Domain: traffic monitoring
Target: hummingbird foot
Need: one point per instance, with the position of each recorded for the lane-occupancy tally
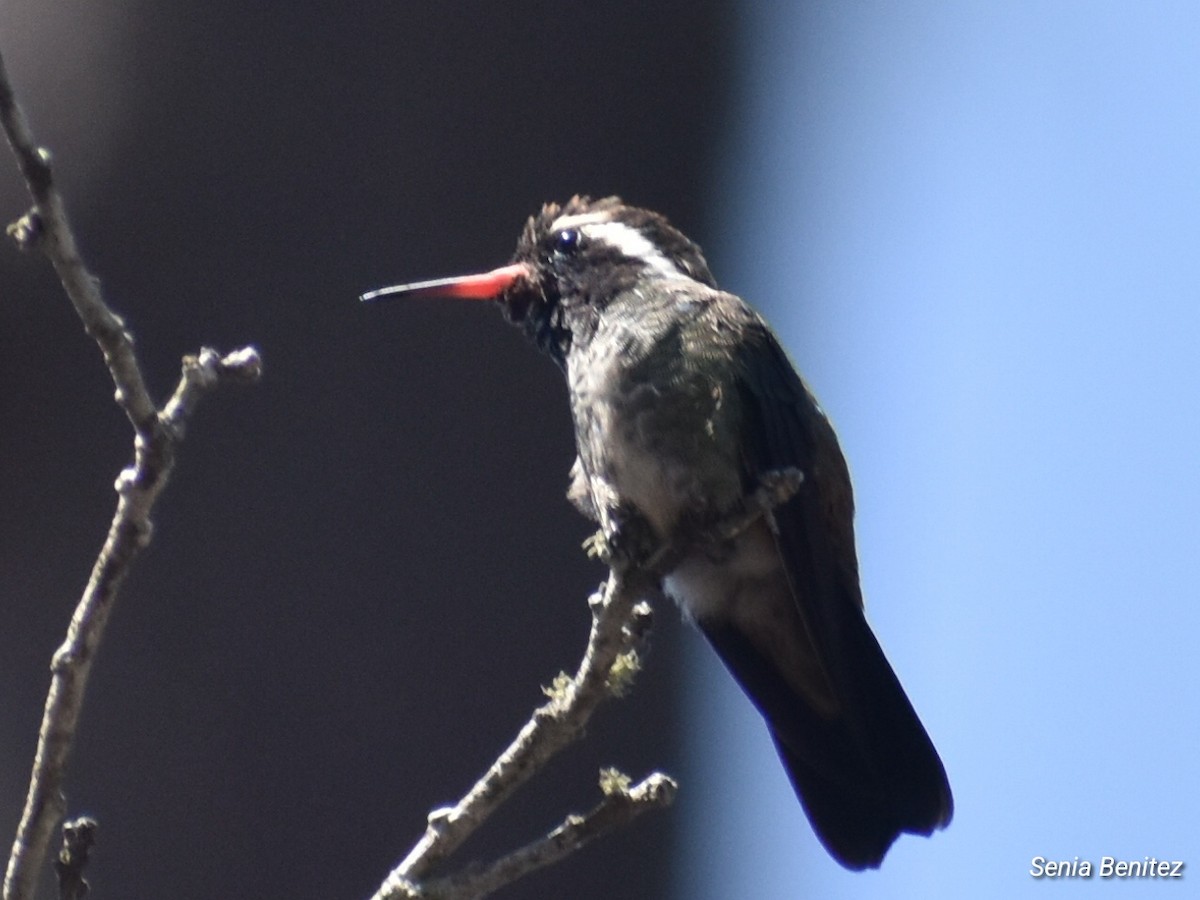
(596, 547)
(775, 488)
(714, 536)
(627, 541)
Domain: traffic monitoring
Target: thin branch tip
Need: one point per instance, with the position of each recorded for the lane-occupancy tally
(658, 789)
(619, 806)
(245, 363)
(202, 372)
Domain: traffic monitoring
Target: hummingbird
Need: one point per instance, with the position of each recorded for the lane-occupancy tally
(683, 399)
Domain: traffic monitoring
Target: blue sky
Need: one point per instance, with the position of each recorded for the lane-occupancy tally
(977, 229)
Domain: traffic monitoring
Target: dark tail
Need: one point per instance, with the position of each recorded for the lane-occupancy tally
(864, 775)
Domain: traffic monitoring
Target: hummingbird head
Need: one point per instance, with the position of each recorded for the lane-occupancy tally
(570, 262)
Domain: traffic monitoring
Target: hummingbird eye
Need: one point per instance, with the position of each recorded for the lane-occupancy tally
(567, 240)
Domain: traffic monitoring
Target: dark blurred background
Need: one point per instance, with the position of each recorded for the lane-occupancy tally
(974, 226)
(365, 567)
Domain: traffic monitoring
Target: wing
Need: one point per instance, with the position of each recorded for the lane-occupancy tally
(863, 767)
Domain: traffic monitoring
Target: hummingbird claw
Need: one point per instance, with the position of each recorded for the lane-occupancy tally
(596, 547)
(631, 541)
(628, 541)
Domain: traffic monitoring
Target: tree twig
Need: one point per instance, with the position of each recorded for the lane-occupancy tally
(47, 224)
(618, 627)
(156, 435)
(552, 727)
(618, 808)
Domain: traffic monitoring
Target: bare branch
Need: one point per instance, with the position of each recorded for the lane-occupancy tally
(619, 625)
(138, 486)
(48, 225)
(553, 727)
(619, 807)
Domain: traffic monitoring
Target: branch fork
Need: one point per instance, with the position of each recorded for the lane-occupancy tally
(620, 624)
(157, 434)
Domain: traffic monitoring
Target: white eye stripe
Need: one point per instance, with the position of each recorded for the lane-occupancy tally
(625, 239)
(632, 243)
(578, 221)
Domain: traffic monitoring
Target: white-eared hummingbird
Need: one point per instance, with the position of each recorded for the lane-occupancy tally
(682, 399)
